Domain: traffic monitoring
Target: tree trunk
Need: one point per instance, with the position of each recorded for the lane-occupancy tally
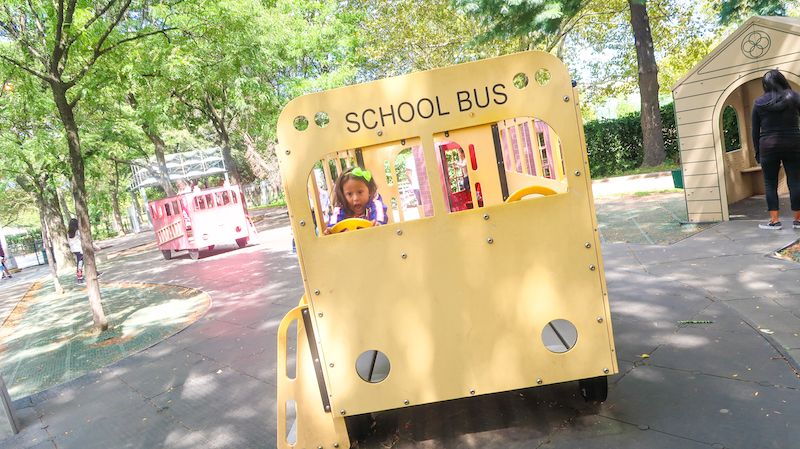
(57, 232)
(259, 165)
(115, 200)
(64, 206)
(65, 111)
(136, 206)
(46, 244)
(652, 137)
(50, 213)
(225, 141)
(163, 175)
(158, 144)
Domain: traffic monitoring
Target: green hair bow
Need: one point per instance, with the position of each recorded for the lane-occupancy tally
(362, 173)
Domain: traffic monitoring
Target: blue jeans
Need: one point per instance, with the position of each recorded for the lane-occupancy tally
(770, 165)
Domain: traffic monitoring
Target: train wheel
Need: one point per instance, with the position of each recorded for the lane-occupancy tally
(242, 242)
(194, 254)
(167, 253)
(594, 389)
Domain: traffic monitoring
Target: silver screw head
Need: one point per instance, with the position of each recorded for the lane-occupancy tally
(319, 314)
(566, 97)
(577, 172)
(380, 133)
(471, 391)
(485, 216)
(399, 232)
(490, 240)
(605, 370)
(330, 364)
(335, 444)
(316, 292)
(588, 245)
(288, 151)
(405, 402)
(599, 319)
(591, 267)
(342, 411)
(302, 223)
(327, 408)
(319, 447)
(403, 255)
(539, 381)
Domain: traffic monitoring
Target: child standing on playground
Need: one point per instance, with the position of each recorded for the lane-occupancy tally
(355, 195)
(74, 240)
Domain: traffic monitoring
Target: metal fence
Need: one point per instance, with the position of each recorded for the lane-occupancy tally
(262, 193)
(27, 254)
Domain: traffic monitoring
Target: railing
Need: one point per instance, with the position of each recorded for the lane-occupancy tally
(27, 254)
(262, 193)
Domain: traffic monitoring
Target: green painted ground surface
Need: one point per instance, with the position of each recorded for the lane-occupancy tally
(47, 339)
(652, 219)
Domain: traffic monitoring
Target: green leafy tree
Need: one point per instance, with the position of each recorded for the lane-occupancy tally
(732, 11)
(555, 21)
(62, 43)
(34, 158)
(237, 62)
(397, 38)
(543, 24)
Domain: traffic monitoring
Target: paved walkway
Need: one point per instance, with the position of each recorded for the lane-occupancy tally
(728, 380)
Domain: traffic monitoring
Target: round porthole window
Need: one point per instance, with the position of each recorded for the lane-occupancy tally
(373, 366)
(520, 80)
(559, 336)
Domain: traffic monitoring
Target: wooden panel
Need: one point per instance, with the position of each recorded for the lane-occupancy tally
(699, 168)
(697, 128)
(692, 115)
(702, 194)
(702, 216)
(696, 181)
(698, 155)
(703, 85)
(704, 207)
(700, 141)
(700, 100)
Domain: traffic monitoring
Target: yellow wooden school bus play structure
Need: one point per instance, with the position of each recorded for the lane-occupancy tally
(487, 278)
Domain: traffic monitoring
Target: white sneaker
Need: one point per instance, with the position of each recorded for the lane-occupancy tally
(768, 225)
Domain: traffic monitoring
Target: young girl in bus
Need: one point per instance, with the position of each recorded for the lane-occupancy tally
(355, 195)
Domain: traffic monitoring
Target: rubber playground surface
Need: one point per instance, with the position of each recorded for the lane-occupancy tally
(47, 339)
(651, 219)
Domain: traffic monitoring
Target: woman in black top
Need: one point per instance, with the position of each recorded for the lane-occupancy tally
(776, 139)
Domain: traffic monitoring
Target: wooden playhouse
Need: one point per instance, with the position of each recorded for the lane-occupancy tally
(730, 77)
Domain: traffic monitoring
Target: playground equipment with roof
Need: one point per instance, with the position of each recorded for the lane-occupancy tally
(729, 79)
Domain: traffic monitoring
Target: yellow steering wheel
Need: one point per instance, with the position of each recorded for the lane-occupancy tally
(350, 224)
(530, 190)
